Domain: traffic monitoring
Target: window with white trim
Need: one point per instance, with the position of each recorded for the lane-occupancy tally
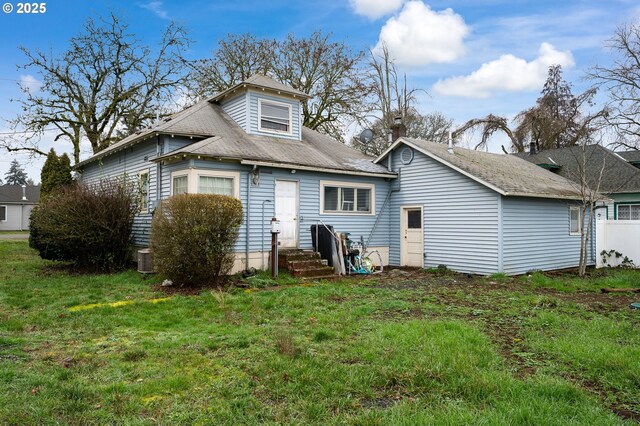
(628, 212)
(274, 117)
(200, 181)
(346, 198)
(143, 191)
(215, 185)
(179, 184)
(3, 213)
(574, 221)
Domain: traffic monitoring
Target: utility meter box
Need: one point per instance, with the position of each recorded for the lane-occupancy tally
(275, 226)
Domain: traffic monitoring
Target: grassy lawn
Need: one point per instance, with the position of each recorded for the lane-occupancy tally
(418, 349)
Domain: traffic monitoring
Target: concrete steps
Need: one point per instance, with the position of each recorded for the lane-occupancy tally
(304, 264)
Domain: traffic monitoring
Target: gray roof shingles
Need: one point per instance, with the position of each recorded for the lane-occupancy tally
(314, 150)
(618, 176)
(12, 194)
(510, 175)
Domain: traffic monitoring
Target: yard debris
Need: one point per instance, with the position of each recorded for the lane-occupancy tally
(395, 273)
(167, 283)
(620, 290)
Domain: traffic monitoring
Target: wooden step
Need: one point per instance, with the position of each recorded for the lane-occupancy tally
(313, 272)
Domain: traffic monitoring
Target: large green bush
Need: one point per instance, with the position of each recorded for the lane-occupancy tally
(193, 237)
(89, 226)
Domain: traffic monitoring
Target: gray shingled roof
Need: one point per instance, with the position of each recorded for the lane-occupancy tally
(618, 176)
(315, 150)
(631, 156)
(506, 174)
(12, 194)
(262, 82)
(193, 121)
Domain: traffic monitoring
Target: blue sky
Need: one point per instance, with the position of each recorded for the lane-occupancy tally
(472, 57)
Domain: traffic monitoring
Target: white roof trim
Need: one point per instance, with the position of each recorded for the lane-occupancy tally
(316, 169)
(446, 163)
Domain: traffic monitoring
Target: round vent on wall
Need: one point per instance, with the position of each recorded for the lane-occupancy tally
(406, 155)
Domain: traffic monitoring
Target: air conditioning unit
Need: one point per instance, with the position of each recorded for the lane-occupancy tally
(145, 265)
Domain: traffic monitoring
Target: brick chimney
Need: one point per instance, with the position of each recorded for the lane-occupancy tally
(398, 129)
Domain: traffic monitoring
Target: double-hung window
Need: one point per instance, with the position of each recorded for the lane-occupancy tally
(198, 181)
(179, 184)
(628, 212)
(143, 191)
(339, 197)
(215, 185)
(274, 117)
(575, 224)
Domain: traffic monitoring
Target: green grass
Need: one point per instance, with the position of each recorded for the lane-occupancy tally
(88, 349)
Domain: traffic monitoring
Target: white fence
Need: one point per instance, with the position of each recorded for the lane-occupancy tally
(622, 236)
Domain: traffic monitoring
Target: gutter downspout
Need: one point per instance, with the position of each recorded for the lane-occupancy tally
(246, 244)
(390, 156)
(262, 235)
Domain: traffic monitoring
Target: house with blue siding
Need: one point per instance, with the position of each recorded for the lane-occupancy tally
(419, 204)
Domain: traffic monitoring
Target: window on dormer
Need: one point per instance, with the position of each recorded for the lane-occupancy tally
(274, 117)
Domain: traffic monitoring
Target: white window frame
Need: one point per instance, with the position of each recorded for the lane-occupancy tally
(625, 205)
(283, 104)
(372, 201)
(6, 213)
(571, 209)
(148, 195)
(193, 179)
(181, 173)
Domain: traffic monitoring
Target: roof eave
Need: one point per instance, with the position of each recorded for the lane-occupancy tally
(296, 94)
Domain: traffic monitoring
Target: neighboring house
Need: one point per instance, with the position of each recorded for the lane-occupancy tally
(418, 204)
(632, 157)
(16, 203)
(617, 178)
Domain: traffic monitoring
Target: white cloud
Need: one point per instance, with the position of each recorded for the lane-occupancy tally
(506, 74)
(418, 35)
(374, 9)
(30, 83)
(157, 8)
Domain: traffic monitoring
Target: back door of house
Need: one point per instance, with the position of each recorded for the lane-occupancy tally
(287, 212)
(411, 238)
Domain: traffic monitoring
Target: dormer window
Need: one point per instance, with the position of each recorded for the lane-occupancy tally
(274, 117)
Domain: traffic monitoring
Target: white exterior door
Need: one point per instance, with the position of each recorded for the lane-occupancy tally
(411, 236)
(287, 212)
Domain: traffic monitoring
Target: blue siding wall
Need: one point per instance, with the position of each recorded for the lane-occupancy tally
(237, 110)
(536, 235)
(460, 216)
(128, 163)
(308, 199)
(253, 115)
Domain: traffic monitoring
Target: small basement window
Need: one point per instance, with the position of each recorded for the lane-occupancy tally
(143, 191)
(346, 198)
(628, 212)
(274, 117)
(574, 221)
(3, 213)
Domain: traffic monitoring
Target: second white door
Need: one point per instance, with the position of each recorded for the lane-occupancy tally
(286, 197)
(411, 237)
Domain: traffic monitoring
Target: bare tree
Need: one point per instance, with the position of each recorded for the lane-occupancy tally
(236, 58)
(433, 127)
(622, 81)
(104, 86)
(327, 71)
(391, 98)
(555, 121)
